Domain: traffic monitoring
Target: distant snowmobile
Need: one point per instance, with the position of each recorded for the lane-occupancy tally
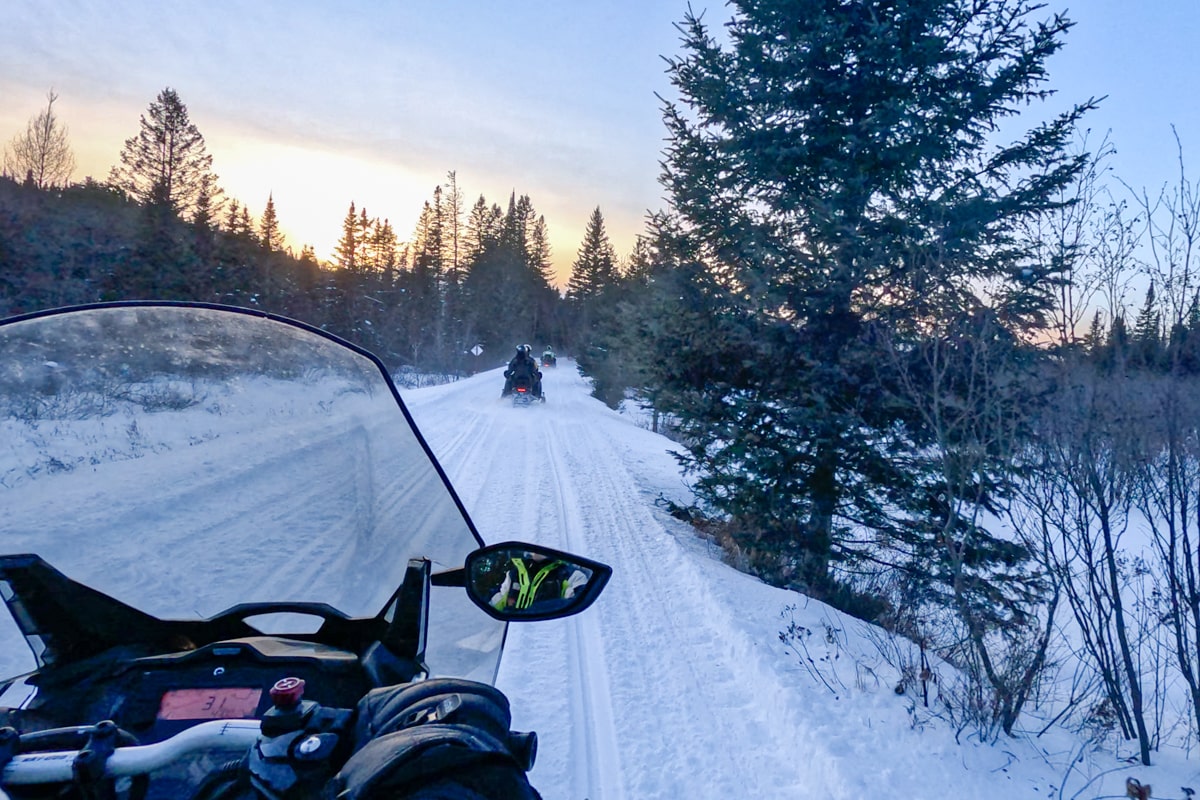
(524, 393)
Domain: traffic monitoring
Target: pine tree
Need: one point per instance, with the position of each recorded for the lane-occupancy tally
(245, 224)
(589, 295)
(268, 227)
(482, 229)
(203, 222)
(539, 251)
(208, 203)
(1147, 331)
(639, 269)
(422, 285)
(835, 166)
(166, 163)
(508, 298)
(362, 239)
(595, 267)
(1094, 340)
(382, 246)
(346, 253)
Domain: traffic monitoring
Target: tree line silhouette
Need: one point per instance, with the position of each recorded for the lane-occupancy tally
(160, 227)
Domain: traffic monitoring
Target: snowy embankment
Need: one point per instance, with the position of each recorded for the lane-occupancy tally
(676, 683)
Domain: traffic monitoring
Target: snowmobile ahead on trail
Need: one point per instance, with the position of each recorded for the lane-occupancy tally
(548, 357)
(316, 615)
(523, 379)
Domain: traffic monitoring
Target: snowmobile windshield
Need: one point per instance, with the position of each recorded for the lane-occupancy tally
(185, 459)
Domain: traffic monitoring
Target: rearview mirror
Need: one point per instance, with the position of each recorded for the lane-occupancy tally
(518, 582)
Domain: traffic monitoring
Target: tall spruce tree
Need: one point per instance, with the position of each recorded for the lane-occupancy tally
(346, 254)
(1147, 329)
(591, 304)
(166, 163)
(268, 227)
(505, 290)
(595, 267)
(833, 166)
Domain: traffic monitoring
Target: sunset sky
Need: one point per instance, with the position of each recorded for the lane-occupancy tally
(374, 102)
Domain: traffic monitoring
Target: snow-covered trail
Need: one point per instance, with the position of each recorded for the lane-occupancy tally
(641, 695)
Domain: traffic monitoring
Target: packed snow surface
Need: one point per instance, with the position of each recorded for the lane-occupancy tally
(676, 683)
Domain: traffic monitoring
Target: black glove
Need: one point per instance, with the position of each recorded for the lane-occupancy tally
(443, 737)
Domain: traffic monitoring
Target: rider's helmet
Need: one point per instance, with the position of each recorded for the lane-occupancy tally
(526, 349)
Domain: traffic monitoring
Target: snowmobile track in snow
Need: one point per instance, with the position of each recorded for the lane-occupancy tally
(594, 731)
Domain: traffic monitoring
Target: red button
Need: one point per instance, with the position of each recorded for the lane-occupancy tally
(287, 692)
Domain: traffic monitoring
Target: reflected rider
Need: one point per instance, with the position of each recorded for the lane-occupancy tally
(536, 579)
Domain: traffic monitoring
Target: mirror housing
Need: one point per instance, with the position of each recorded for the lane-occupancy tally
(520, 582)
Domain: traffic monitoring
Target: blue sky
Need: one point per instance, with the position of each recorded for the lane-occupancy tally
(322, 104)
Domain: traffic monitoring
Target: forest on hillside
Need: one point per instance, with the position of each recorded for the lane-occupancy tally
(160, 227)
(947, 383)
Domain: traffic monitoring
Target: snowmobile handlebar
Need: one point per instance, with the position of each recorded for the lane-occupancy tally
(60, 766)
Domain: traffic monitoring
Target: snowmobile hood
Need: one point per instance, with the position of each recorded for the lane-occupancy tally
(187, 458)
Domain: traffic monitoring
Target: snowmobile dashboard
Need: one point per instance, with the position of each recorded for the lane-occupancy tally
(99, 658)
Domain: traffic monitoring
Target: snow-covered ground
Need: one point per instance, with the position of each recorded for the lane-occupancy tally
(676, 683)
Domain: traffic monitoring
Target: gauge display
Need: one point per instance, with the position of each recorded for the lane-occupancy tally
(221, 703)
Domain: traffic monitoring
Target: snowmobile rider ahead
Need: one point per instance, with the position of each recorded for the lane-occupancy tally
(523, 365)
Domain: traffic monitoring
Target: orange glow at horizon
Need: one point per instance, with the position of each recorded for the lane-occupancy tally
(312, 189)
(312, 185)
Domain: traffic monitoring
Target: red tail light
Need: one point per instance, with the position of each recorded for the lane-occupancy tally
(522, 389)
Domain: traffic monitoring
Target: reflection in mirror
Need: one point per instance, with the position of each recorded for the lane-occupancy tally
(516, 581)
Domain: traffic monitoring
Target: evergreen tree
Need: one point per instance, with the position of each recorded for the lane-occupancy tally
(639, 269)
(834, 166)
(1147, 332)
(505, 292)
(454, 299)
(382, 248)
(166, 163)
(203, 221)
(482, 229)
(208, 203)
(1094, 340)
(268, 227)
(362, 239)
(245, 224)
(539, 251)
(625, 318)
(591, 300)
(423, 316)
(595, 267)
(452, 227)
(232, 217)
(346, 253)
